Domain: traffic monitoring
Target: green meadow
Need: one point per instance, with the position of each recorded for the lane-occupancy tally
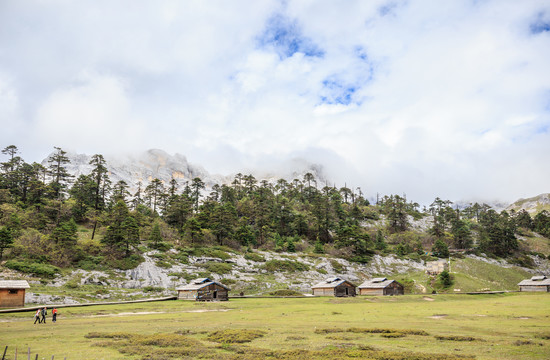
(501, 326)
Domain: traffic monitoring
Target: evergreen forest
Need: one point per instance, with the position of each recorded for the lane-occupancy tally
(50, 219)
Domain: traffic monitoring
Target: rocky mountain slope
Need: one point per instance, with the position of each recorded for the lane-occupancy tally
(253, 275)
(533, 205)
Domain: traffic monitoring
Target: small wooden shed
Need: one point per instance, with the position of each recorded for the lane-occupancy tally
(381, 286)
(12, 293)
(436, 267)
(536, 283)
(203, 289)
(334, 287)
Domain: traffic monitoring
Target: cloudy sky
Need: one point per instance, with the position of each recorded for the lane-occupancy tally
(448, 99)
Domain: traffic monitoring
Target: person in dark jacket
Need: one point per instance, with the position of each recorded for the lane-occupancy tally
(44, 313)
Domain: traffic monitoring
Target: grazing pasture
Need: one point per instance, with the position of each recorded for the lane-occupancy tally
(502, 326)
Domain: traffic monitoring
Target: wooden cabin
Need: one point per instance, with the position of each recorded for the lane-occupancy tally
(203, 289)
(536, 283)
(334, 287)
(381, 286)
(436, 267)
(12, 293)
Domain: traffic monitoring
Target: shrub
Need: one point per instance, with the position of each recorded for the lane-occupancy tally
(393, 335)
(284, 265)
(228, 281)
(208, 252)
(152, 289)
(339, 268)
(455, 338)
(524, 261)
(254, 257)
(285, 292)
(235, 335)
(218, 268)
(32, 268)
(126, 263)
(445, 279)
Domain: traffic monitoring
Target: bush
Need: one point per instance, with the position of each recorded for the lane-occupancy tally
(228, 281)
(445, 279)
(161, 246)
(285, 292)
(126, 263)
(455, 338)
(254, 257)
(32, 268)
(230, 336)
(207, 252)
(339, 268)
(284, 265)
(152, 289)
(524, 261)
(218, 268)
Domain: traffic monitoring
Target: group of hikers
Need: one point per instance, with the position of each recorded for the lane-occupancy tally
(41, 313)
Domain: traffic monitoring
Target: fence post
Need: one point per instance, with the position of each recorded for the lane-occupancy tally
(29, 354)
(16, 353)
(36, 357)
(6, 349)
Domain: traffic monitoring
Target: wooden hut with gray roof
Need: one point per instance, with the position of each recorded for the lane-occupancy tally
(203, 289)
(381, 286)
(536, 283)
(334, 286)
(12, 293)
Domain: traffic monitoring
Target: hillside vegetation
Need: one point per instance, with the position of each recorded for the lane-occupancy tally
(52, 224)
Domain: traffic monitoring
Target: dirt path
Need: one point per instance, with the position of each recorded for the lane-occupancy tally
(122, 314)
(153, 312)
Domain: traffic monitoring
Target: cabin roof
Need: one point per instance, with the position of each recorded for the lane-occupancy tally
(331, 283)
(540, 280)
(200, 283)
(377, 283)
(14, 284)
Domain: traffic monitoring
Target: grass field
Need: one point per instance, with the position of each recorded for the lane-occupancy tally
(504, 326)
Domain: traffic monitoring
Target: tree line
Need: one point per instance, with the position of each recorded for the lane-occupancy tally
(48, 215)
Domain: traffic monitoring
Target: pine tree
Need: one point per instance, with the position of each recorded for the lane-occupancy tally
(6, 239)
(445, 279)
(58, 172)
(155, 237)
(440, 249)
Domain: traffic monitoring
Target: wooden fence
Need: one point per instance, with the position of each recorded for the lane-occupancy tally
(29, 357)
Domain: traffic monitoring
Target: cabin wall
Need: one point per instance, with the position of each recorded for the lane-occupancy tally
(323, 291)
(375, 292)
(187, 294)
(212, 292)
(344, 289)
(539, 288)
(394, 289)
(12, 300)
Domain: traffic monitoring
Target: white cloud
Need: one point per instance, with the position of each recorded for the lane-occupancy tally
(448, 99)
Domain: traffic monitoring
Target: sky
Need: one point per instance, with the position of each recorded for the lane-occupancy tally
(448, 99)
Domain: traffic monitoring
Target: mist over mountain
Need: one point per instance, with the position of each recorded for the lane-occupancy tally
(154, 163)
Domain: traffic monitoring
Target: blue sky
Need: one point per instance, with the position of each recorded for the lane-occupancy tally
(429, 99)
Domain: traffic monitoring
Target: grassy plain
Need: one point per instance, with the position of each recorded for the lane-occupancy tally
(503, 326)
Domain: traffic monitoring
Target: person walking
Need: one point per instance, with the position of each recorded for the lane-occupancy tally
(44, 313)
(37, 316)
(54, 315)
